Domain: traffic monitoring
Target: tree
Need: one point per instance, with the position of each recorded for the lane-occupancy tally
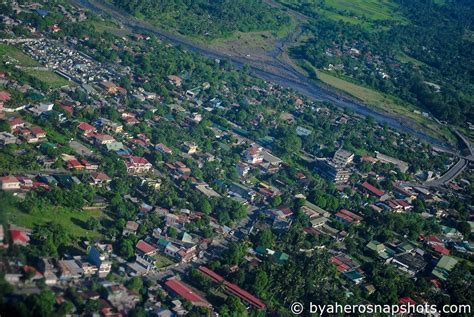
(275, 201)
(92, 224)
(172, 232)
(135, 283)
(126, 248)
(265, 238)
(41, 304)
(236, 307)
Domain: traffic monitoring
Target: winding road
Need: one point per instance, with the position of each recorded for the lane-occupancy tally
(274, 70)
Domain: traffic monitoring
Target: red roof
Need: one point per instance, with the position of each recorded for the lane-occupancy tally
(407, 300)
(139, 160)
(16, 121)
(431, 239)
(183, 291)
(37, 130)
(213, 275)
(145, 247)
(236, 290)
(8, 179)
(68, 109)
(84, 126)
(440, 249)
(344, 213)
(19, 236)
(377, 192)
(4, 96)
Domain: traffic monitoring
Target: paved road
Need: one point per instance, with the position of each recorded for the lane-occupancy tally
(451, 174)
(274, 70)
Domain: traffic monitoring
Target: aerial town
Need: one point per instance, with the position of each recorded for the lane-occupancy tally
(140, 178)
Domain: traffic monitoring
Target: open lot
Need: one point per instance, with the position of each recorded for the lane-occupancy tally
(72, 221)
(51, 79)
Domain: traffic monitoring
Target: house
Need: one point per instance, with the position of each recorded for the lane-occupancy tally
(4, 96)
(347, 217)
(318, 221)
(102, 139)
(122, 298)
(9, 183)
(7, 138)
(114, 146)
(344, 263)
(99, 256)
(242, 169)
(144, 248)
(19, 237)
(175, 80)
(445, 265)
(109, 87)
(410, 262)
(131, 227)
(16, 123)
(38, 132)
(137, 165)
(354, 276)
(254, 155)
(163, 149)
(75, 165)
(190, 147)
(381, 250)
(86, 128)
(99, 178)
(373, 191)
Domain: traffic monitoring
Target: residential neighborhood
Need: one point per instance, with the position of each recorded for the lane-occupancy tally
(157, 182)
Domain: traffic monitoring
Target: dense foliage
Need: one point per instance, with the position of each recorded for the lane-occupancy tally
(213, 19)
(425, 57)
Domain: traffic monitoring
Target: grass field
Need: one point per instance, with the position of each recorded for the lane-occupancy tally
(408, 59)
(51, 79)
(71, 221)
(162, 261)
(11, 54)
(360, 12)
(385, 103)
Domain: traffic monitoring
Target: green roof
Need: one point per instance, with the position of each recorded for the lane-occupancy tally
(281, 256)
(447, 263)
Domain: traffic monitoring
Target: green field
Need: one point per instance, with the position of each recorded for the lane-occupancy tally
(162, 261)
(70, 220)
(13, 55)
(52, 80)
(384, 103)
(365, 13)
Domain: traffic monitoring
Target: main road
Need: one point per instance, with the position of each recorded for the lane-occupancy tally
(273, 70)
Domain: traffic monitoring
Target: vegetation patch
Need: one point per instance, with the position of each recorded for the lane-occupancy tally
(204, 19)
(73, 222)
(50, 79)
(12, 55)
(383, 102)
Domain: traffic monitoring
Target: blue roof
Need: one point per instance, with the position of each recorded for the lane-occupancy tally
(42, 12)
